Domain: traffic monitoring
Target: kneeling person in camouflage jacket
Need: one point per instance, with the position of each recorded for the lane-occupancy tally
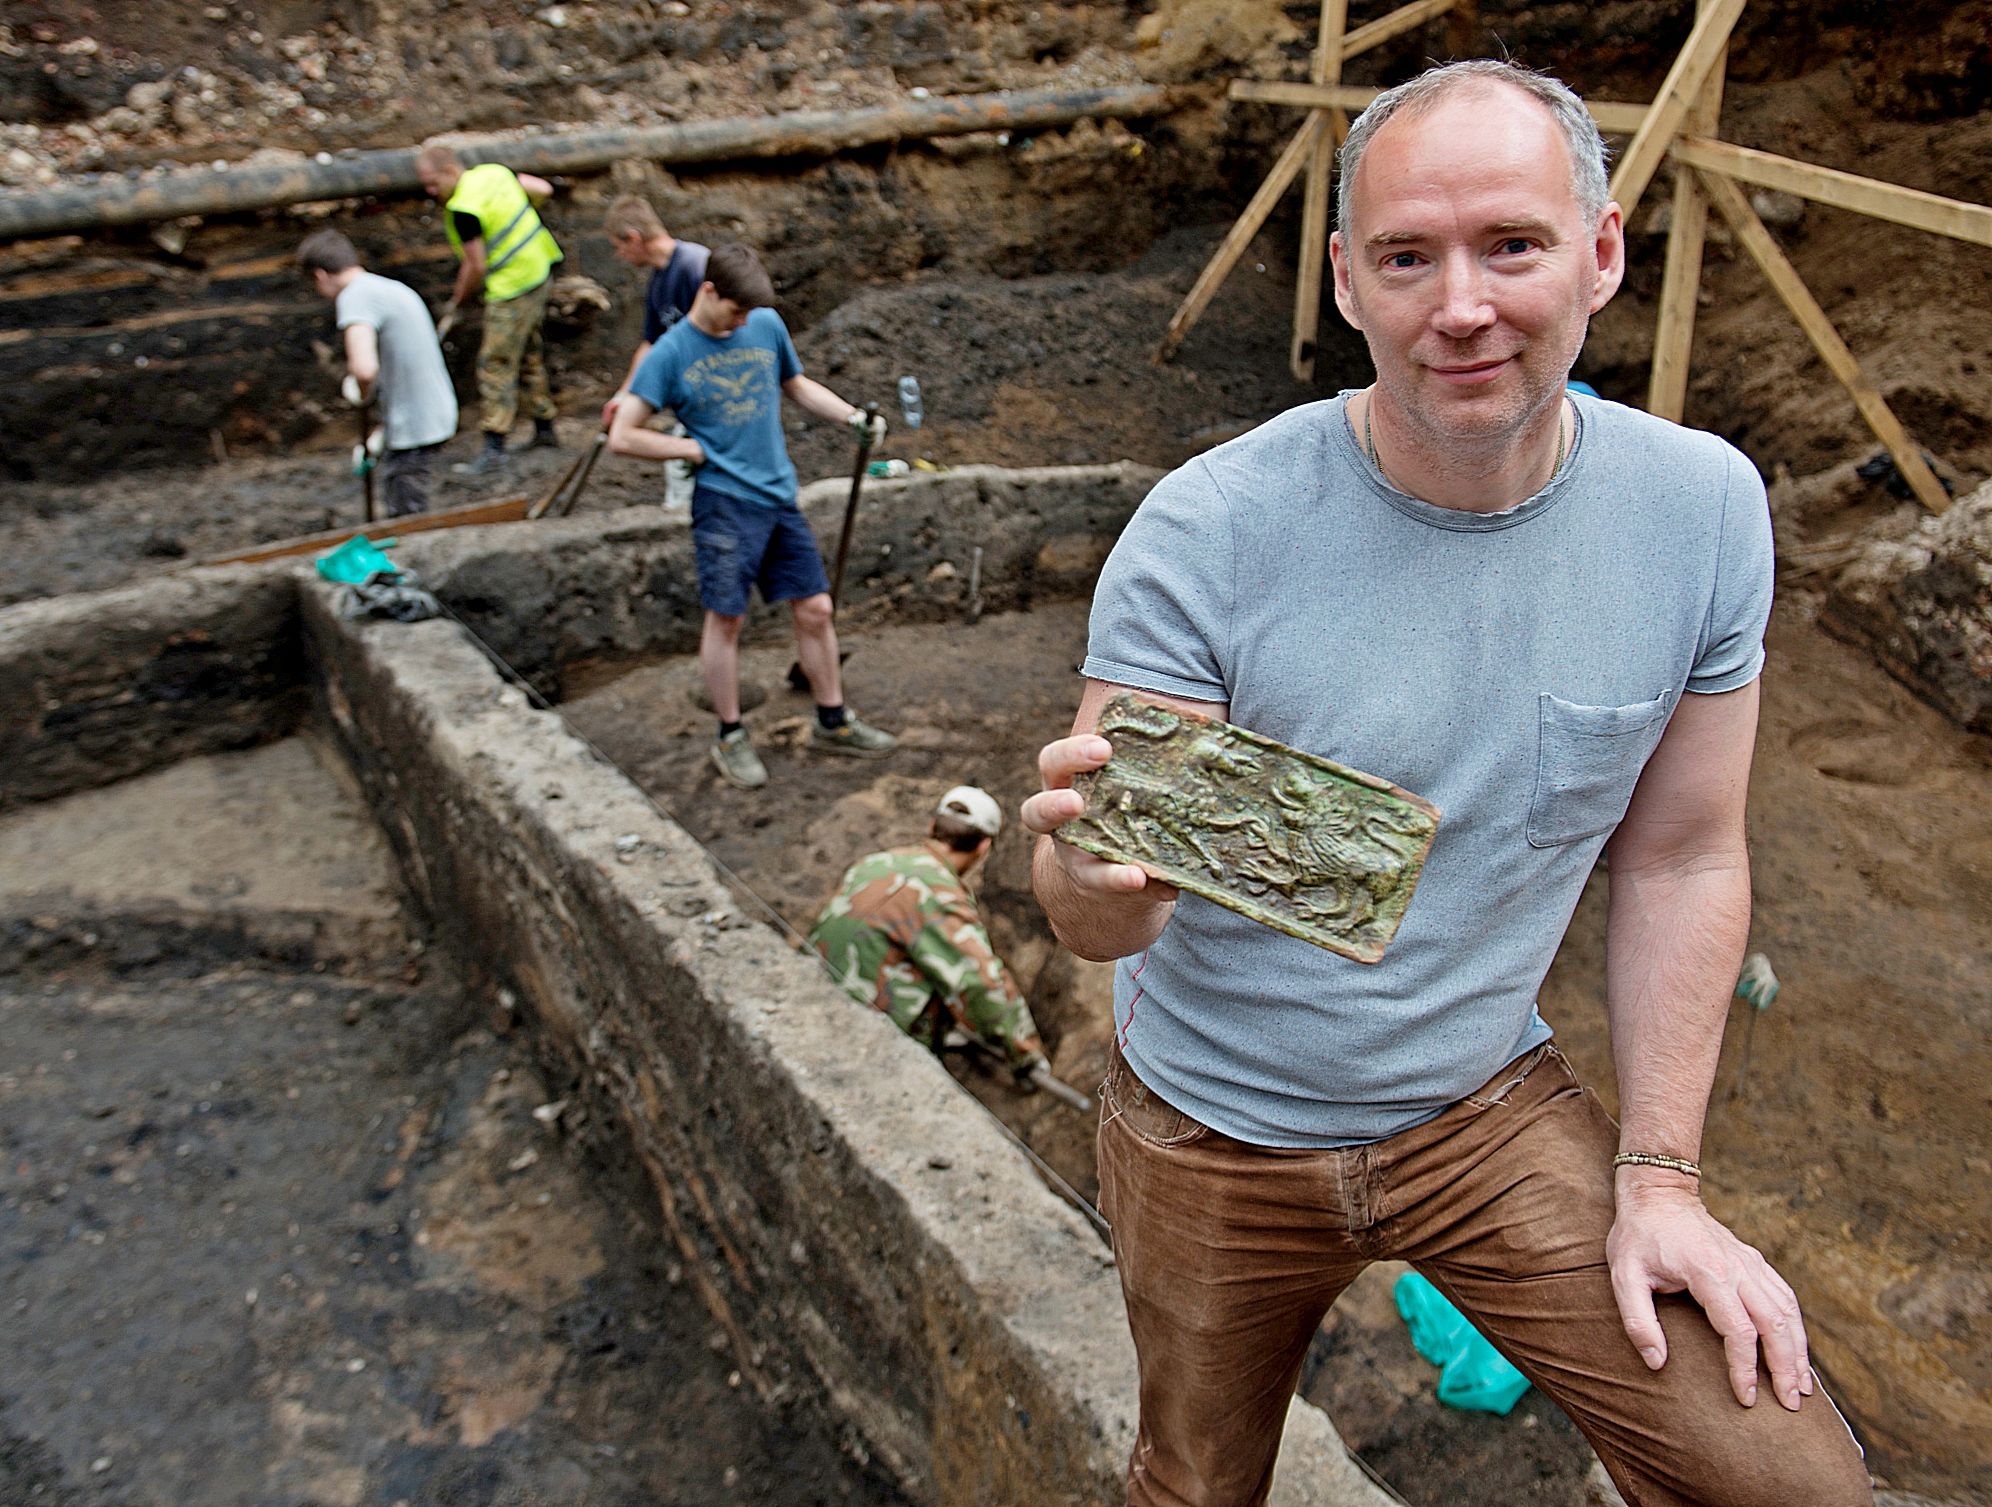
(902, 934)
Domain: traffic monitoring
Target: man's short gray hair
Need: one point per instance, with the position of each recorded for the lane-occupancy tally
(1580, 132)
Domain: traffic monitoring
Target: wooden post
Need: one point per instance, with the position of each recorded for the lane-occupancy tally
(1674, 329)
(1327, 69)
(1790, 287)
(1233, 246)
(1670, 107)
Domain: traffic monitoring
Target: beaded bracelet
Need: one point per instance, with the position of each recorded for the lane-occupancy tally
(1648, 1159)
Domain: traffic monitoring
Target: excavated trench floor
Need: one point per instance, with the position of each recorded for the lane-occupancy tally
(286, 1231)
(1849, 1154)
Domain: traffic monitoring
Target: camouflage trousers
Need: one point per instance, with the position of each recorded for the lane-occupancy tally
(512, 359)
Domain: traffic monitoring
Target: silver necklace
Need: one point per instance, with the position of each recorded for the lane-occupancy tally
(1369, 440)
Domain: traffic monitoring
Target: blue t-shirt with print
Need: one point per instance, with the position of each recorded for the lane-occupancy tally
(727, 392)
(672, 288)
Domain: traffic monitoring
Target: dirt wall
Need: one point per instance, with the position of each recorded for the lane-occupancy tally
(568, 591)
(841, 1229)
(171, 345)
(123, 355)
(104, 685)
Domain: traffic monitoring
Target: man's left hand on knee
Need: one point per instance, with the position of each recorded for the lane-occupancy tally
(1665, 1241)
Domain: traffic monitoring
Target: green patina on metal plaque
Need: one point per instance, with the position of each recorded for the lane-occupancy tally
(1297, 842)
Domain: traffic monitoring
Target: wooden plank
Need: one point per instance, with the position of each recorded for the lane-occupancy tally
(165, 319)
(1614, 117)
(1680, 290)
(1956, 218)
(1680, 287)
(1790, 287)
(1383, 28)
(1705, 44)
(1326, 69)
(28, 285)
(1285, 170)
(1462, 35)
(509, 511)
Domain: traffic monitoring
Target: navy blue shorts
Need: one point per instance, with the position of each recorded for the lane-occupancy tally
(746, 544)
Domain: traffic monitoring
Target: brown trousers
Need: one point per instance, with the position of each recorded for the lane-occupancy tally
(1230, 1255)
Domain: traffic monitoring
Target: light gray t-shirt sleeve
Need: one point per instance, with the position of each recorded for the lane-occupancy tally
(1732, 647)
(357, 304)
(1162, 613)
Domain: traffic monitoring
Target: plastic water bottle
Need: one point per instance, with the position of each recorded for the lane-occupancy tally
(909, 401)
(888, 469)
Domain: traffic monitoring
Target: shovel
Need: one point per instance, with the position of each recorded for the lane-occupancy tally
(796, 679)
(577, 473)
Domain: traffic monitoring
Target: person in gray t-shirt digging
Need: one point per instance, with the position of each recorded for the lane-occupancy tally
(391, 353)
(1545, 613)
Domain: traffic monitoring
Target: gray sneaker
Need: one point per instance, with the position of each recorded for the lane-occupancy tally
(859, 739)
(737, 761)
(488, 463)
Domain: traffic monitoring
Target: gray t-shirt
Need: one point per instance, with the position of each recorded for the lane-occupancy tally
(418, 402)
(1515, 668)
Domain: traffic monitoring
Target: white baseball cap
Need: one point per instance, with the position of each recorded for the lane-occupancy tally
(975, 806)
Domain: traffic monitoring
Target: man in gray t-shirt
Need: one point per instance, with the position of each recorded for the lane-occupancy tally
(1544, 613)
(392, 355)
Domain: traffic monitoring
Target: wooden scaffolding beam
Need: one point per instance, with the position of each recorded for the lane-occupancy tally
(1679, 128)
(1614, 117)
(1327, 69)
(1708, 41)
(1313, 148)
(1790, 287)
(1680, 285)
(1918, 210)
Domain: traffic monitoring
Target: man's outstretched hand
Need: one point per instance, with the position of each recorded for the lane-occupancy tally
(1665, 1241)
(1058, 803)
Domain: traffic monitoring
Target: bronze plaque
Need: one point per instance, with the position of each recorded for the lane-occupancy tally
(1297, 842)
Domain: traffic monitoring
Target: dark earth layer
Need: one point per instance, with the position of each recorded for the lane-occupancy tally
(290, 1238)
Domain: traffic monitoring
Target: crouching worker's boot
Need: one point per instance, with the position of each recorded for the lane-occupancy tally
(543, 436)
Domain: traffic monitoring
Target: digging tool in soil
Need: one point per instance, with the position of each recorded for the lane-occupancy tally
(796, 679)
(1039, 1077)
(363, 458)
(560, 498)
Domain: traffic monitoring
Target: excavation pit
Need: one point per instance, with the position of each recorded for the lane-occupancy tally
(538, 766)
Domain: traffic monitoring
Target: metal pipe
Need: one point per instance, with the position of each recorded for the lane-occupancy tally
(798, 133)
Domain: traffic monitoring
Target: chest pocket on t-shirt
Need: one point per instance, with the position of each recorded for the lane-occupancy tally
(1587, 763)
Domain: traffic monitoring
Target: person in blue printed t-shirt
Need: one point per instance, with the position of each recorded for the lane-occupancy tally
(723, 370)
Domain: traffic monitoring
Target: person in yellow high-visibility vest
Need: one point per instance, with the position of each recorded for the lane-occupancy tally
(491, 215)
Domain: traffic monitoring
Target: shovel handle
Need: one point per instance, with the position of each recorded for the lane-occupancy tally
(365, 411)
(1060, 1090)
(851, 507)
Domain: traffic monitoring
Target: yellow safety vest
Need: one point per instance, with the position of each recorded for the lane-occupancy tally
(519, 251)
